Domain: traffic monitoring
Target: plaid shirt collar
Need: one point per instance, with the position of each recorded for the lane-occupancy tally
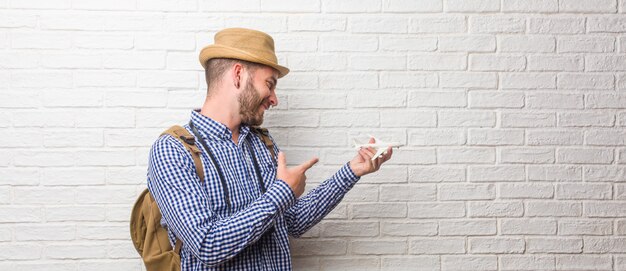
(207, 127)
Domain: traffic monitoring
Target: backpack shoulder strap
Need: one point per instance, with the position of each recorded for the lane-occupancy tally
(182, 135)
(265, 137)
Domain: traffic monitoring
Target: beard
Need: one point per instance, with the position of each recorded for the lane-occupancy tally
(249, 104)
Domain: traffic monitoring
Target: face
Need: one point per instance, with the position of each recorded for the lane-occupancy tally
(257, 96)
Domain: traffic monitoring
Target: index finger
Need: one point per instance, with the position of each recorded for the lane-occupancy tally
(308, 164)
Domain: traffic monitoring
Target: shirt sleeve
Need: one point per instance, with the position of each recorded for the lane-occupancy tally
(312, 208)
(173, 183)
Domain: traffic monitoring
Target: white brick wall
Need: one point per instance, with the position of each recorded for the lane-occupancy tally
(512, 112)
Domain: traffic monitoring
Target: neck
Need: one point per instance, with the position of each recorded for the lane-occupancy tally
(221, 111)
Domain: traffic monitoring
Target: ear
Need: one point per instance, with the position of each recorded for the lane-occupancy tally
(237, 75)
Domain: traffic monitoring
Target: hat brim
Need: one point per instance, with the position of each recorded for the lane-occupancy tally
(220, 51)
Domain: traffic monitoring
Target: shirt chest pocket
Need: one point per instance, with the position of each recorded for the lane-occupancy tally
(268, 172)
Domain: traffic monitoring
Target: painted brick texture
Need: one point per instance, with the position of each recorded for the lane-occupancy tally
(512, 112)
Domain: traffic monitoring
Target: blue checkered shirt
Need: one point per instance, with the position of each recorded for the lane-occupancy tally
(253, 234)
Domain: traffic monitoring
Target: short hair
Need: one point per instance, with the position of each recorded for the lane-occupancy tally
(216, 67)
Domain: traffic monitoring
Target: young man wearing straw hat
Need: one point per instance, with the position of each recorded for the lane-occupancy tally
(239, 217)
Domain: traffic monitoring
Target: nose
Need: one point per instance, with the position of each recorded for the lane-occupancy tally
(273, 99)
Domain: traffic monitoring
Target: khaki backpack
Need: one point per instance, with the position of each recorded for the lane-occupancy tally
(149, 237)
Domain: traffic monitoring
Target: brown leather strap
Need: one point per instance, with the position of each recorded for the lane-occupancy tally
(182, 135)
(265, 136)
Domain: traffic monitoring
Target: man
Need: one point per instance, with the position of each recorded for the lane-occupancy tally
(236, 218)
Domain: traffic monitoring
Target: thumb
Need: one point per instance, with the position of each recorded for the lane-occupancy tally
(282, 160)
(308, 164)
(372, 141)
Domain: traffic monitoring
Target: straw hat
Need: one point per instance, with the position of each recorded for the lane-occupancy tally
(245, 44)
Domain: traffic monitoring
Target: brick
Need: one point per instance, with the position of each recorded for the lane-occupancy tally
(12, 214)
(429, 246)
(77, 21)
(48, 232)
(378, 98)
(20, 60)
(379, 210)
(527, 120)
(599, 6)
(586, 44)
(295, 43)
(143, 98)
(531, 81)
(466, 191)
(52, 158)
(327, 138)
(104, 79)
(466, 119)
(437, 99)
(408, 228)
(178, 5)
(527, 156)
(105, 119)
(21, 99)
(407, 6)
(294, 6)
(534, 6)
(438, 62)
(584, 262)
(584, 156)
(302, 247)
(433, 25)
(468, 80)
(349, 6)
(350, 264)
(554, 137)
(548, 100)
(466, 155)
(605, 209)
(377, 62)
(392, 174)
(267, 23)
(40, 40)
(472, 6)
(410, 262)
(490, 245)
(165, 41)
(585, 227)
(116, 265)
(414, 157)
(102, 232)
(167, 79)
(387, 25)
(352, 118)
(11, 251)
(74, 251)
(41, 4)
(605, 101)
(52, 79)
(19, 176)
(620, 228)
(407, 80)
(436, 174)
(378, 247)
(102, 41)
(555, 63)
(333, 43)
(321, 101)
(130, 138)
(495, 209)
(527, 44)
(299, 81)
(554, 245)
(585, 81)
(604, 245)
(403, 43)
(467, 43)
(392, 193)
(553, 209)
(525, 191)
(495, 137)
(605, 63)
(408, 118)
(437, 137)
(495, 99)
(605, 138)
(73, 176)
(316, 23)
(554, 173)
(527, 226)
(586, 119)
(349, 229)
(496, 173)
(467, 262)
(321, 62)
(359, 81)
(527, 262)
(107, 194)
(27, 138)
(484, 62)
(437, 210)
(496, 24)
